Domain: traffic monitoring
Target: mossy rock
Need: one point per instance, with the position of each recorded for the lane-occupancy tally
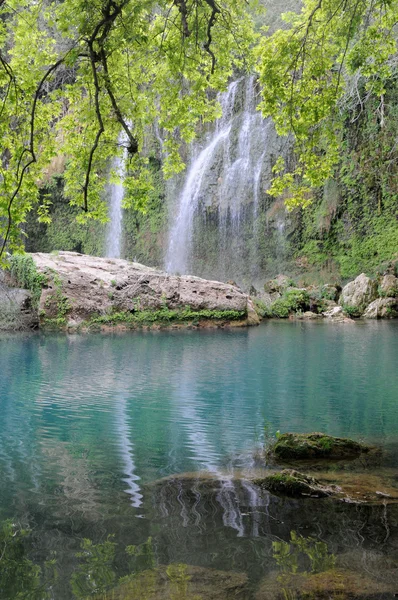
(293, 484)
(335, 584)
(304, 446)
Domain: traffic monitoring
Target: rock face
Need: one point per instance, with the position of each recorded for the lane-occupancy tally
(382, 308)
(81, 287)
(389, 286)
(359, 293)
(16, 311)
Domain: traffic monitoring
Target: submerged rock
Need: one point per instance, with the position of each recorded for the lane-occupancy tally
(354, 488)
(293, 484)
(307, 316)
(304, 446)
(86, 289)
(333, 584)
(185, 582)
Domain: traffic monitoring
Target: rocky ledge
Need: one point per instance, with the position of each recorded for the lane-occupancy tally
(75, 291)
(366, 297)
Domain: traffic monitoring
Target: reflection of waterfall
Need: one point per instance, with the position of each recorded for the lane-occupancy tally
(224, 184)
(116, 193)
(203, 452)
(127, 448)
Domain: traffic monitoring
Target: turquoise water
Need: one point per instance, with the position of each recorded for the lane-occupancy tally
(90, 424)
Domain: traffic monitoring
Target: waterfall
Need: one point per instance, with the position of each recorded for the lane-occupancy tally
(116, 193)
(224, 185)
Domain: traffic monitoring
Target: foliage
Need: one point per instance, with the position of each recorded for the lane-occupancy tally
(95, 574)
(287, 554)
(351, 311)
(24, 271)
(293, 300)
(74, 74)
(306, 71)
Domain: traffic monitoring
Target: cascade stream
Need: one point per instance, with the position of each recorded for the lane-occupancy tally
(220, 220)
(116, 193)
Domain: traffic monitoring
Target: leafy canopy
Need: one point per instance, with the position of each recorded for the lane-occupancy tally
(73, 74)
(331, 51)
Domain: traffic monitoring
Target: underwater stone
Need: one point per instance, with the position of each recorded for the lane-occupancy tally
(293, 484)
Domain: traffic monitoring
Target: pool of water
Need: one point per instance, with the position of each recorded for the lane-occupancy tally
(146, 437)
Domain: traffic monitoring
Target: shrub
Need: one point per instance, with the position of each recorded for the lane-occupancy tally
(293, 300)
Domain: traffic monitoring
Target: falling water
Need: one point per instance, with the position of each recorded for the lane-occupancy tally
(226, 178)
(113, 242)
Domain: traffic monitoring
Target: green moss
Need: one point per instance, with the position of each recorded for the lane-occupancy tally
(295, 446)
(163, 316)
(23, 270)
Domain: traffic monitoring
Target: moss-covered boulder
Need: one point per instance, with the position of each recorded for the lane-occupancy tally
(304, 446)
(293, 484)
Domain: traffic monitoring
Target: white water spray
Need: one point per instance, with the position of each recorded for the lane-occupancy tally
(113, 242)
(225, 175)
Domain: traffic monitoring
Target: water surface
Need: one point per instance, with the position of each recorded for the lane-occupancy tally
(110, 434)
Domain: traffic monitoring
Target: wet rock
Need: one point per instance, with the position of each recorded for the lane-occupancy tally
(334, 584)
(359, 293)
(89, 287)
(389, 286)
(382, 308)
(338, 315)
(304, 446)
(293, 484)
(184, 582)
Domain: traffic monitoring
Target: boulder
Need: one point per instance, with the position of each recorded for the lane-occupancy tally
(304, 446)
(359, 293)
(389, 286)
(81, 288)
(16, 310)
(382, 308)
(338, 315)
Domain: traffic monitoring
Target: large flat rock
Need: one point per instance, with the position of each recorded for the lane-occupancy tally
(80, 287)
